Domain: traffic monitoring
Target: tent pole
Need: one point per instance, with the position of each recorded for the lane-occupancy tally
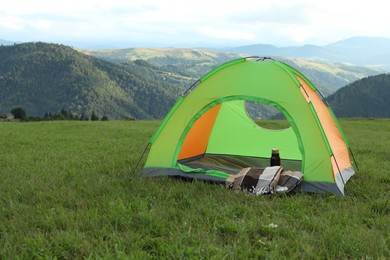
(338, 168)
(192, 86)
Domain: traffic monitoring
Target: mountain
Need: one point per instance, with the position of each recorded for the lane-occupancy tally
(328, 77)
(141, 83)
(315, 52)
(360, 49)
(265, 50)
(368, 97)
(43, 77)
(367, 51)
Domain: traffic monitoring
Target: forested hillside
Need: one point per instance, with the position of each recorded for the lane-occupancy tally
(43, 77)
(368, 97)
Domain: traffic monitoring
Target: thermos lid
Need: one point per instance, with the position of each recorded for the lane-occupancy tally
(275, 150)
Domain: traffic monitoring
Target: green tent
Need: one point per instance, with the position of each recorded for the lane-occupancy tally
(209, 135)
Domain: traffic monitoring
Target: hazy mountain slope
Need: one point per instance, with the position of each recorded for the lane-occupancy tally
(356, 50)
(306, 51)
(190, 62)
(328, 77)
(261, 50)
(44, 77)
(368, 97)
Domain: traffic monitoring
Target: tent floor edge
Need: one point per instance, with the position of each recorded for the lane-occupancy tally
(319, 187)
(173, 172)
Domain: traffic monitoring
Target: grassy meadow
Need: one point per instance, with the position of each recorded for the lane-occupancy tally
(68, 191)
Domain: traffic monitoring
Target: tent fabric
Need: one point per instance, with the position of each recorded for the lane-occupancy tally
(197, 138)
(211, 122)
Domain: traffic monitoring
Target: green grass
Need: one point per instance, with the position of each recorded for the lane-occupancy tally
(67, 191)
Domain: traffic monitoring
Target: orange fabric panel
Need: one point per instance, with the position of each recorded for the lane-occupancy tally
(335, 139)
(197, 138)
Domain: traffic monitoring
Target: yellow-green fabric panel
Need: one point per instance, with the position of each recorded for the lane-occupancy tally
(162, 151)
(235, 133)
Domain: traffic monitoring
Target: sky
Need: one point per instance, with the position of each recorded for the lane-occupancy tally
(200, 23)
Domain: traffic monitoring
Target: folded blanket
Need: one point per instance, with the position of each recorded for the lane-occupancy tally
(264, 180)
(288, 181)
(268, 180)
(256, 180)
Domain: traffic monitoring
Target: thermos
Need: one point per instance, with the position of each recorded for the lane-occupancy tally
(275, 158)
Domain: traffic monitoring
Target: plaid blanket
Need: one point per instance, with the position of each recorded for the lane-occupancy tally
(264, 180)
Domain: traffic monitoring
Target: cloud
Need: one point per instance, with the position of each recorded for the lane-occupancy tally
(11, 23)
(226, 34)
(277, 22)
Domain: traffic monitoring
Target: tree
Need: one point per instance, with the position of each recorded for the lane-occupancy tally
(94, 116)
(19, 113)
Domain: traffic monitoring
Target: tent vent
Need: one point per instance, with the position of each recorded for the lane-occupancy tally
(257, 58)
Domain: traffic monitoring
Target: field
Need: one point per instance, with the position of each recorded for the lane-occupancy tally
(68, 191)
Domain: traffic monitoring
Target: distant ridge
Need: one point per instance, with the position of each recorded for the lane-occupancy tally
(355, 50)
(5, 42)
